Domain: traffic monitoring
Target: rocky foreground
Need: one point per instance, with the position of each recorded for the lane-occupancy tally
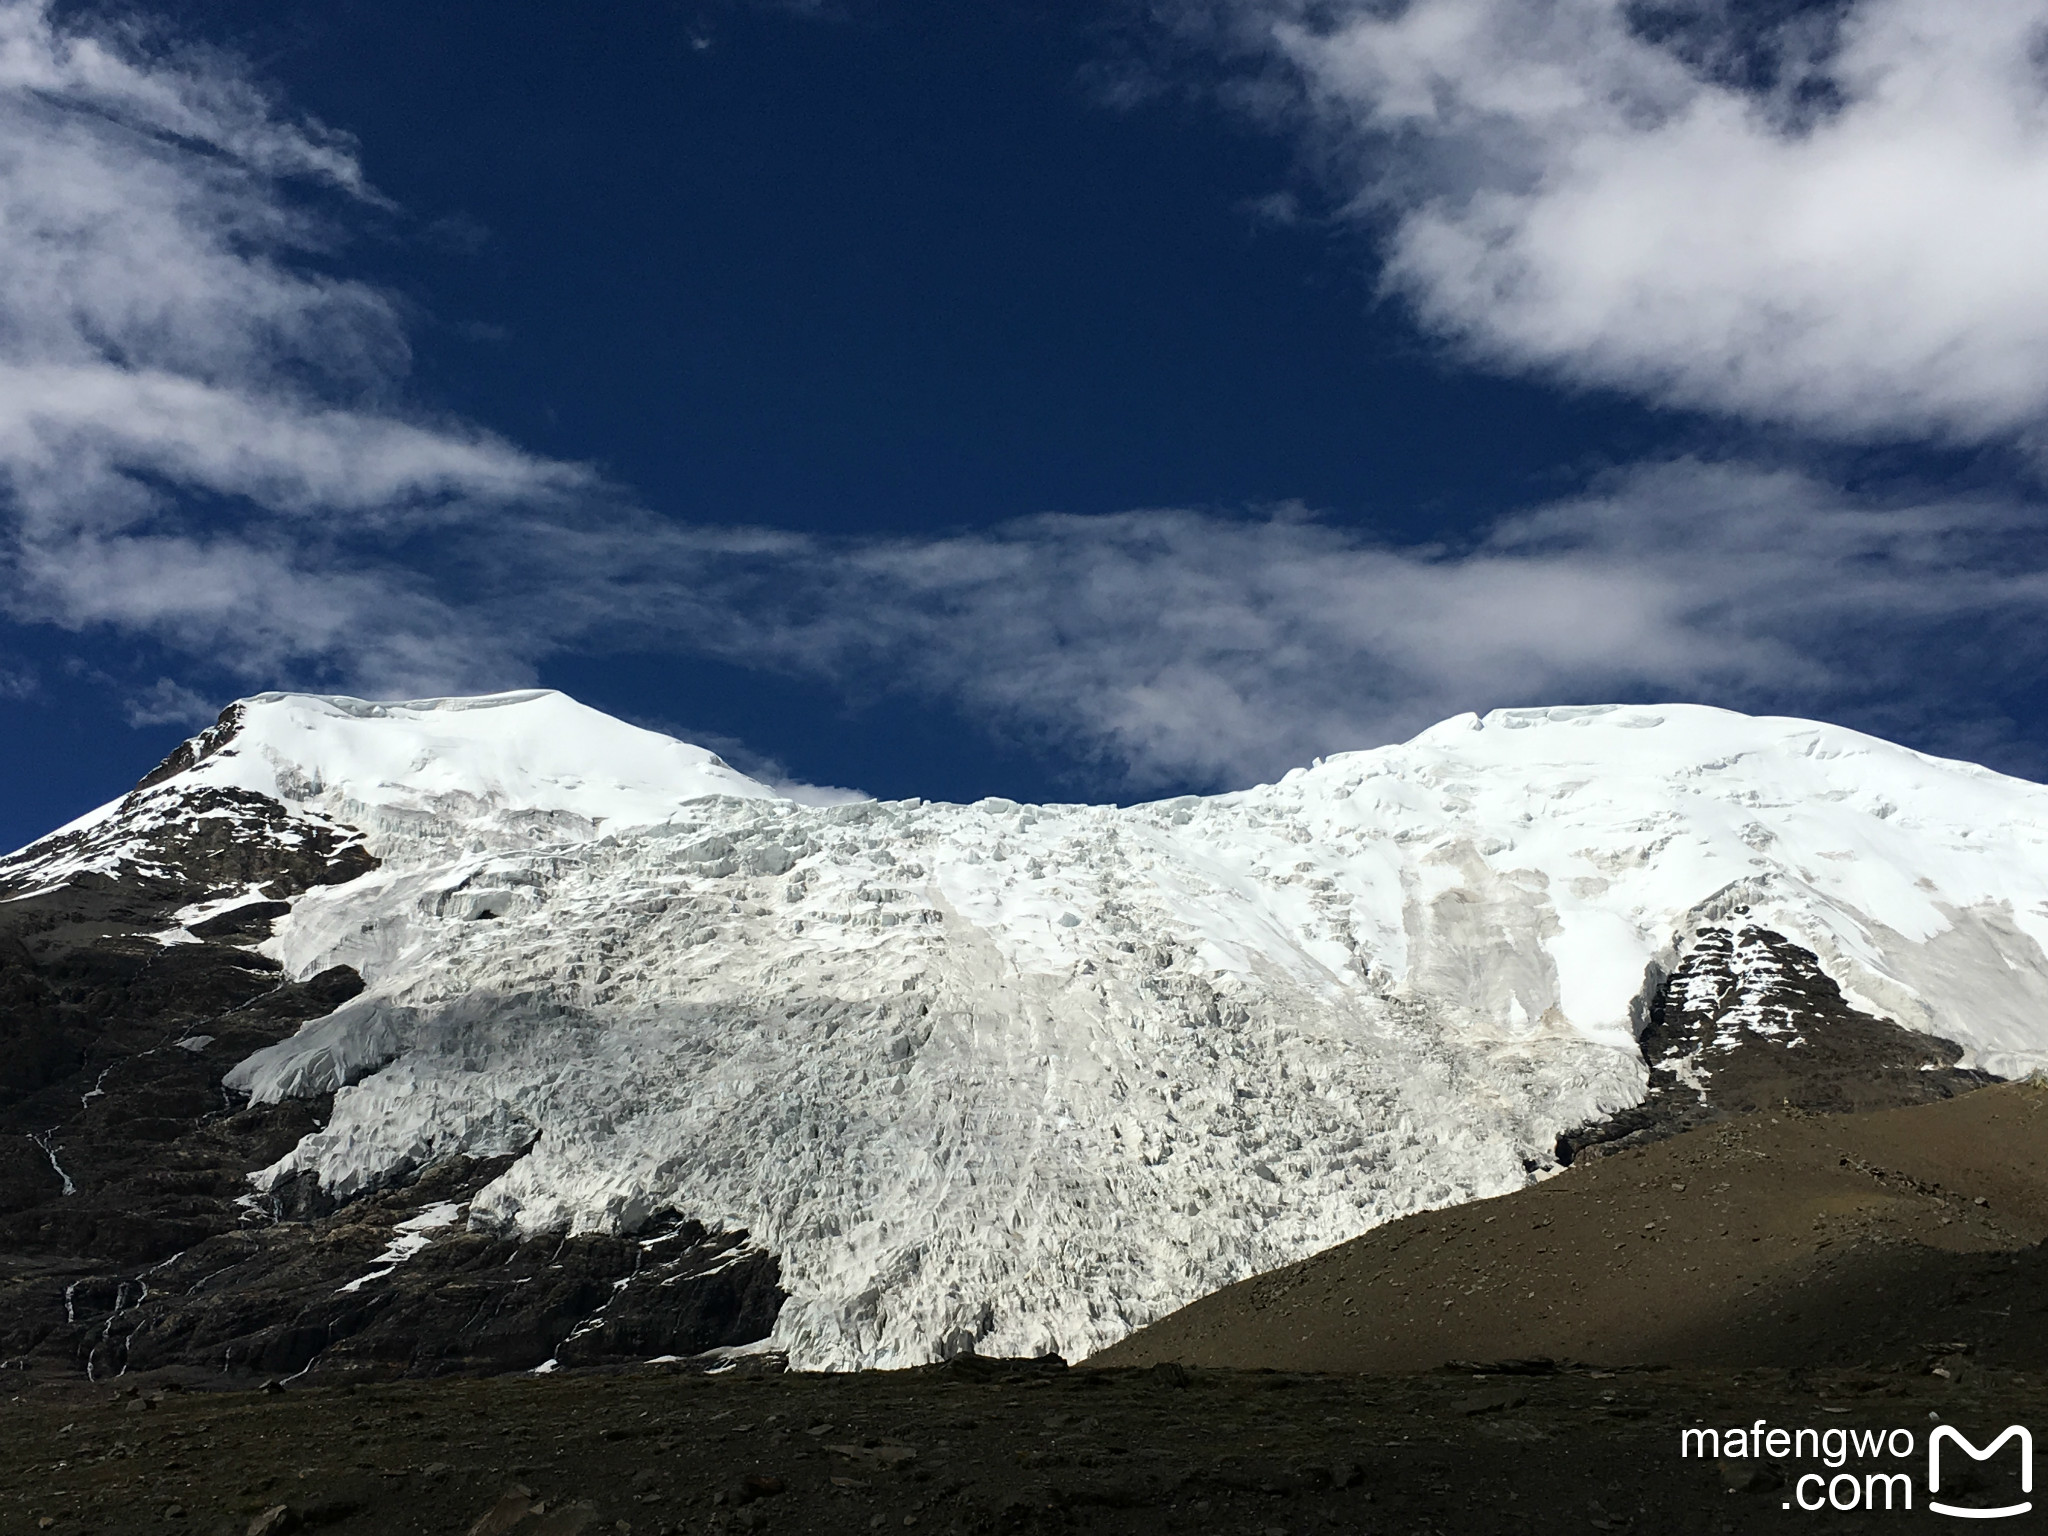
(1529, 1364)
(970, 1446)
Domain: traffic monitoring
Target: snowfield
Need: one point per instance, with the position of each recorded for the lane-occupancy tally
(1028, 1077)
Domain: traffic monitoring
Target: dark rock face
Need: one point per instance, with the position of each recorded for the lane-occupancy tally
(1750, 1022)
(120, 1148)
(129, 1236)
(192, 753)
(395, 1284)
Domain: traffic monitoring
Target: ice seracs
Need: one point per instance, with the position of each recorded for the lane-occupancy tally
(1026, 1077)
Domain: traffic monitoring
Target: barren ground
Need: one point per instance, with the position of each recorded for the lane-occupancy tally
(960, 1449)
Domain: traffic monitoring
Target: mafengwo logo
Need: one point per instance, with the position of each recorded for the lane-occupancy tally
(1872, 1469)
(1946, 1435)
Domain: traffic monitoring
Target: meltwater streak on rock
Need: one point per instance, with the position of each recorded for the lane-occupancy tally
(1023, 1078)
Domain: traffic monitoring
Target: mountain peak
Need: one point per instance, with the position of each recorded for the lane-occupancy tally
(531, 750)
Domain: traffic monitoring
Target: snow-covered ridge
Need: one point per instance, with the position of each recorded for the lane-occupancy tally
(1031, 1076)
(507, 766)
(531, 751)
(506, 753)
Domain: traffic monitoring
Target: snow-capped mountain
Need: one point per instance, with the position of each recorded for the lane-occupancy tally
(1023, 1078)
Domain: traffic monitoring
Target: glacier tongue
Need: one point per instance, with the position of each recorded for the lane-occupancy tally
(1028, 1077)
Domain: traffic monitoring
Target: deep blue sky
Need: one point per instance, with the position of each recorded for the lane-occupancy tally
(901, 270)
(907, 267)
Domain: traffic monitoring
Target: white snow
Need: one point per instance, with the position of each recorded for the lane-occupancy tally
(411, 1240)
(200, 911)
(496, 756)
(518, 767)
(726, 1357)
(1031, 1076)
(1753, 974)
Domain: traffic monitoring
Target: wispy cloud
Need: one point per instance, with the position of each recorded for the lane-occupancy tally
(1178, 646)
(17, 682)
(1830, 216)
(170, 337)
(168, 702)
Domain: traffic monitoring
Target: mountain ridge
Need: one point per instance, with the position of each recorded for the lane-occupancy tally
(1022, 1078)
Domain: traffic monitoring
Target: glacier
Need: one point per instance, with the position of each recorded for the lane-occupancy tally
(1023, 1078)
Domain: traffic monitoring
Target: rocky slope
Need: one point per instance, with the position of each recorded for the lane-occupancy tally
(529, 1036)
(1905, 1236)
(1748, 1021)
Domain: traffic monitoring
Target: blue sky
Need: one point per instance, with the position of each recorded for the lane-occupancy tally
(1050, 400)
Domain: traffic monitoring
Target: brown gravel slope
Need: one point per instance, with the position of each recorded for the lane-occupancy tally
(1766, 1239)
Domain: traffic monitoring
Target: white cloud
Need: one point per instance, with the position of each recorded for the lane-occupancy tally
(169, 702)
(1838, 221)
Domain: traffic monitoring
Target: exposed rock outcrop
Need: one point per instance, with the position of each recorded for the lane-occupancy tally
(1749, 1021)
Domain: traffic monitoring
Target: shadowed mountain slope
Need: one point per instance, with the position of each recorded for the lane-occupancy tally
(132, 980)
(1764, 1239)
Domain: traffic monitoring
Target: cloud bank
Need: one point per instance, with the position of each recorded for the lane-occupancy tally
(1830, 216)
(1176, 647)
(205, 440)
